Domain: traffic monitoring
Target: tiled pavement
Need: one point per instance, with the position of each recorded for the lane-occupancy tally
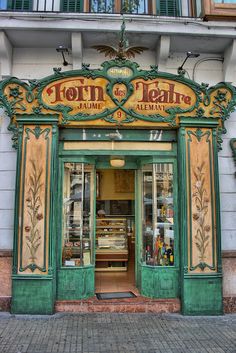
(117, 333)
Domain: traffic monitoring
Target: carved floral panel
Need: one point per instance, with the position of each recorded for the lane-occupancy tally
(34, 200)
(201, 201)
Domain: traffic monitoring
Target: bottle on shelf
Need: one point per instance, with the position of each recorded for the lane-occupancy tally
(148, 254)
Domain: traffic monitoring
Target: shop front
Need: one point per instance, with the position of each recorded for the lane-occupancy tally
(117, 186)
(125, 216)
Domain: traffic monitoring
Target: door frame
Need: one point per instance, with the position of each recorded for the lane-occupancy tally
(136, 159)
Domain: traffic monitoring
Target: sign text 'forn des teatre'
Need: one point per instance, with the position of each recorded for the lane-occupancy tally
(92, 96)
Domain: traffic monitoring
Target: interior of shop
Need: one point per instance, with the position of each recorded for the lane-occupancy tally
(115, 231)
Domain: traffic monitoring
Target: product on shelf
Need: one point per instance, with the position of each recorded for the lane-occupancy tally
(111, 244)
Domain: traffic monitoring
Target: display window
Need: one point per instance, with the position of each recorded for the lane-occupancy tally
(158, 214)
(78, 188)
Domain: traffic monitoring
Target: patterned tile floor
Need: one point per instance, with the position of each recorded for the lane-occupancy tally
(117, 281)
(117, 333)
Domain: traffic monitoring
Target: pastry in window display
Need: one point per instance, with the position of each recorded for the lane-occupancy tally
(67, 254)
(69, 244)
(100, 215)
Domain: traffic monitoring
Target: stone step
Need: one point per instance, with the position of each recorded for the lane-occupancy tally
(132, 305)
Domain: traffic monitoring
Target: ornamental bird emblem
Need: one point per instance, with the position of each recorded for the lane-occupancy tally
(123, 51)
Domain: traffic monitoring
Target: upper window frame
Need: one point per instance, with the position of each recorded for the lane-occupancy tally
(219, 11)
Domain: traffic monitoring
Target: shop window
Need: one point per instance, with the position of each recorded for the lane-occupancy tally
(77, 214)
(19, 5)
(158, 214)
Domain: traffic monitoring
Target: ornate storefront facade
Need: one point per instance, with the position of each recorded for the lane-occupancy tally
(164, 128)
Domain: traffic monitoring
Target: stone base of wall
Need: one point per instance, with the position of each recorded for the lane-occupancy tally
(229, 280)
(229, 304)
(5, 276)
(5, 303)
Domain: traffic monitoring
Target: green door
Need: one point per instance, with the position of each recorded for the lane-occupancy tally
(76, 246)
(158, 253)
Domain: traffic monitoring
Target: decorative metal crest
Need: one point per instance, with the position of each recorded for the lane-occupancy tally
(123, 51)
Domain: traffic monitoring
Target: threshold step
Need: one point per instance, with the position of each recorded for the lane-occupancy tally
(131, 305)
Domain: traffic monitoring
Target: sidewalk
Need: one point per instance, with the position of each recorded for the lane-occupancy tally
(117, 333)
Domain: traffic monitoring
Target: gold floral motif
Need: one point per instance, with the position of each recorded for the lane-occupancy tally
(33, 202)
(201, 202)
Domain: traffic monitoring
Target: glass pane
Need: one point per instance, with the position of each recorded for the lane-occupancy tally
(158, 215)
(102, 6)
(134, 6)
(77, 214)
(3, 4)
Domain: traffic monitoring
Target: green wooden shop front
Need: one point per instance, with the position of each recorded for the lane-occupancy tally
(163, 128)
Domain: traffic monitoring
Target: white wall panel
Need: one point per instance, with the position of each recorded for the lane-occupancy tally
(7, 180)
(7, 199)
(228, 202)
(6, 142)
(227, 183)
(32, 71)
(6, 238)
(8, 161)
(228, 239)
(228, 221)
(39, 56)
(6, 219)
(226, 165)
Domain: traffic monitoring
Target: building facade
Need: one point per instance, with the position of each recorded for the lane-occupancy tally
(86, 126)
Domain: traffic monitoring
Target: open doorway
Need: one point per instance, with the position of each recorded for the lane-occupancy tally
(115, 231)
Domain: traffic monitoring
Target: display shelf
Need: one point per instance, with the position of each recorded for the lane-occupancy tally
(111, 244)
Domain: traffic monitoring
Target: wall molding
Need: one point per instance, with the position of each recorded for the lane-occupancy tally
(6, 253)
(228, 253)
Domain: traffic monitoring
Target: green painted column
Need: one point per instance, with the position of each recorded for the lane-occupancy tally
(33, 278)
(201, 271)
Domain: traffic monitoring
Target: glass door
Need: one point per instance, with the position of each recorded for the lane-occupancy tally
(158, 228)
(76, 271)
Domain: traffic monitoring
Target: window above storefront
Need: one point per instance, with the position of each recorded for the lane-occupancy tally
(173, 8)
(219, 10)
(208, 9)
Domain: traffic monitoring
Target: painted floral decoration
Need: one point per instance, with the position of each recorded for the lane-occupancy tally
(33, 202)
(201, 202)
